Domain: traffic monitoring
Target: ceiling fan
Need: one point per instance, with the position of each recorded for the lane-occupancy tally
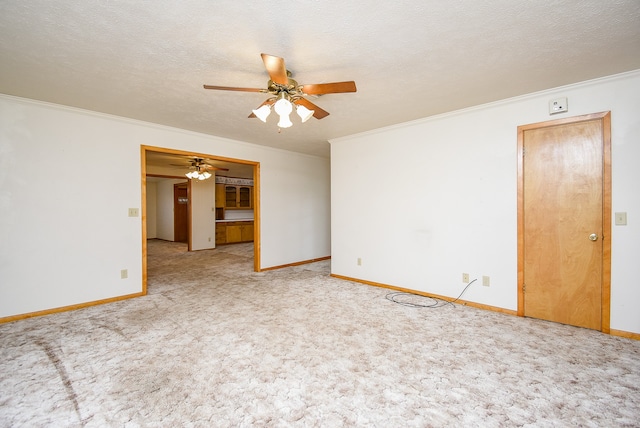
(200, 168)
(286, 93)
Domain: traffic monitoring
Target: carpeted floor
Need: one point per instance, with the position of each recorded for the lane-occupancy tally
(215, 344)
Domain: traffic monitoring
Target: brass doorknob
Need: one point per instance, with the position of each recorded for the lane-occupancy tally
(593, 237)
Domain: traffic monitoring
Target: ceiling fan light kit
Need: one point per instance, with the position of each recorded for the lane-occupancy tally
(304, 113)
(200, 167)
(284, 108)
(262, 112)
(286, 93)
(198, 175)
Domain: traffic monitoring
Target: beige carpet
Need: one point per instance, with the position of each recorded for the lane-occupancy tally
(215, 344)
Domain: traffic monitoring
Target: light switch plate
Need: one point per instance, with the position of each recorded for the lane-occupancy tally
(621, 219)
(134, 212)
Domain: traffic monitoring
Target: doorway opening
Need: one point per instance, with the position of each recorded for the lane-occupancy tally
(181, 212)
(564, 221)
(163, 167)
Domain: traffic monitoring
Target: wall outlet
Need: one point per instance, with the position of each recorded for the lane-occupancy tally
(486, 281)
(465, 278)
(124, 274)
(359, 261)
(134, 212)
(621, 219)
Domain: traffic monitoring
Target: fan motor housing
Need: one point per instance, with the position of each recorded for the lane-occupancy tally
(291, 87)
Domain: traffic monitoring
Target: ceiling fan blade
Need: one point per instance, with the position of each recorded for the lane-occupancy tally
(213, 168)
(276, 68)
(329, 88)
(230, 88)
(268, 102)
(318, 113)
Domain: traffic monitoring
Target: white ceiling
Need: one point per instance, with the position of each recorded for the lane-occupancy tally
(410, 59)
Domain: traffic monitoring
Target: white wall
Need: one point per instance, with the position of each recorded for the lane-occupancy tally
(238, 214)
(164, 208)
(152, 217)
(160, 211)
(423, 202)
(203, 214)
(64, 239)
(310, 200)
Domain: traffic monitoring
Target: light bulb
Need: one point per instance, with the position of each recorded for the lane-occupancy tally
(206, 174)
(263, 112)
(285, 122)
(304, 113)
(283, 107)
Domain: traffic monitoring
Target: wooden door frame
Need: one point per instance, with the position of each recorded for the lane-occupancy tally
(605, 118)
(255, 195)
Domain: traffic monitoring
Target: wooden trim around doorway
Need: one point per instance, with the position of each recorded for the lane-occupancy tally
(143, 218)
(256, 201)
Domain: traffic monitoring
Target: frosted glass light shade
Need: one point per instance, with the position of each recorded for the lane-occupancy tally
(285, 122)
(304, 113)
(263, 112)
(283, 107)
(198, 175)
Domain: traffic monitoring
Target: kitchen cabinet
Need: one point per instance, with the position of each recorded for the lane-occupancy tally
(247, 233)
(221, 233)
(237, 197)
(234, 231)
(220, 195)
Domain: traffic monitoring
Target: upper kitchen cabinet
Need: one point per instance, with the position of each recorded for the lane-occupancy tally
(238, 197)
(220, 195)
(234, 193)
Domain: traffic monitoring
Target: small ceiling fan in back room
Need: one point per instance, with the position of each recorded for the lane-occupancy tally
(287, 94)
(200, 168)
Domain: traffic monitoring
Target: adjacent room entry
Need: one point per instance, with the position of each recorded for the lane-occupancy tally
(564, 220)
(181, 212)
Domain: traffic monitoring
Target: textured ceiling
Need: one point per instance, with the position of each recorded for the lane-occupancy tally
(148, 60)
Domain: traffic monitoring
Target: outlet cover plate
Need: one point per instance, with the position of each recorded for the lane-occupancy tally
(621, 219)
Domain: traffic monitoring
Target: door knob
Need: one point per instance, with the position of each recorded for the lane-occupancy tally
(593, 237)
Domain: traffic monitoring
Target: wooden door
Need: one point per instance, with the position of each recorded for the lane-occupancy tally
(564, 193)
(180, 213)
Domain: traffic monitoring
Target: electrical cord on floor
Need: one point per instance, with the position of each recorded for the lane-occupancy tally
(437, 303)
